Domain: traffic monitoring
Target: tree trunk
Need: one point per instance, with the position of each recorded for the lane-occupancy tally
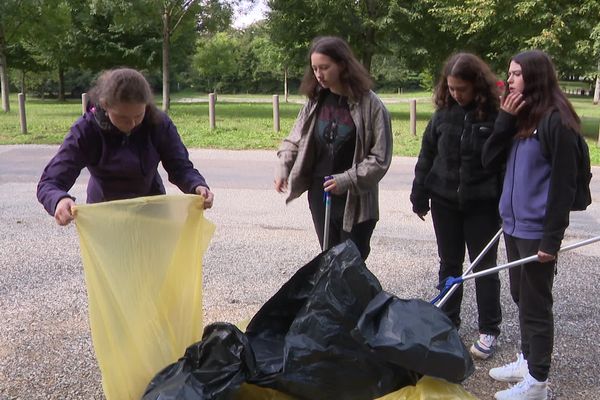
(3, 74)
(597, 91)
(165, 63)
(285, 83)
(61, 83)
(23, 88)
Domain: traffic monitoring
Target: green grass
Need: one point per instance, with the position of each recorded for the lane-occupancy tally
(247, 124)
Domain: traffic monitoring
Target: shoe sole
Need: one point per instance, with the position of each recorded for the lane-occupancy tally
(508, 380)
(475, 352)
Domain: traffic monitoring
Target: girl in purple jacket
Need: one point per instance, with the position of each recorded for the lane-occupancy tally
(120, 140)
(536, 135)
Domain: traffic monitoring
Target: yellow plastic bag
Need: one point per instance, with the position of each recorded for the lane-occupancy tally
(142, 260)
(427, 388)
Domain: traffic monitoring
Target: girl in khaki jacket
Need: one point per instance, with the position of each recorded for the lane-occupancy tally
(341, 143)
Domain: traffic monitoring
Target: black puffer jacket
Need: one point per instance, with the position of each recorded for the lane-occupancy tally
(449, 167)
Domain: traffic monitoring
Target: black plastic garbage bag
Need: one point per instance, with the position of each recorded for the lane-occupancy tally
(416, 335)
(301, 336)
(211, 369)
(304, 341)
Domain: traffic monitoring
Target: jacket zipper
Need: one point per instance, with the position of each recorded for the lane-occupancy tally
(512, 189)
(462, 135)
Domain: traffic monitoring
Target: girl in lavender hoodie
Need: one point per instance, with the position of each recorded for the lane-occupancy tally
(536, 135)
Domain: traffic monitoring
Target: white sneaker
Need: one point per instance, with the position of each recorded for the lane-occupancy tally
(484, 347)
(528, 389)
(512, 372)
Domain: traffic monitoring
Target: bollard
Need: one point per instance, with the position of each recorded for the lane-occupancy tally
(84, 102)
(276, 126)
(413, 117)
(211, 110)
(22, 116)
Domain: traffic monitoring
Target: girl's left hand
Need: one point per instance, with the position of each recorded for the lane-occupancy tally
(207, 194)
(545, 257)
(330, 185)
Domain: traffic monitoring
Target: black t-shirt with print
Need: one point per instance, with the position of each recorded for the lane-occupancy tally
(335, 135)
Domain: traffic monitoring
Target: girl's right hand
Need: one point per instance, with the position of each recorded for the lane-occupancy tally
(63, 214)
(512, 103)
(281, 185)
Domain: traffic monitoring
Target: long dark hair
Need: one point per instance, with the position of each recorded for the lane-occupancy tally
(541, 93)
(354, 78)
(472, 69)
(124, 85)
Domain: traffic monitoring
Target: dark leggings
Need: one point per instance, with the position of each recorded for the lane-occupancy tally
(531, 289)
(474, 228)
(361, 233)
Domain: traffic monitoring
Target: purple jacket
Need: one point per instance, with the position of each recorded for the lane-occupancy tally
(120, 166)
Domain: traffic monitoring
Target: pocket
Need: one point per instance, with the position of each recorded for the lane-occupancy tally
(479, 134)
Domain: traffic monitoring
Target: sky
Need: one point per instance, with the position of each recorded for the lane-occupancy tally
(248, 13)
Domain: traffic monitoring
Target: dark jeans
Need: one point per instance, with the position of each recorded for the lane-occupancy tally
(474, 227)
(531, 289)
(361, 233)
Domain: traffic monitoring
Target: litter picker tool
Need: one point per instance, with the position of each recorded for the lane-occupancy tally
(450, 282)
(327, 199)
(452, 289)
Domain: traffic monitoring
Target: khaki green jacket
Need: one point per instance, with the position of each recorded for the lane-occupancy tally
(372, 158)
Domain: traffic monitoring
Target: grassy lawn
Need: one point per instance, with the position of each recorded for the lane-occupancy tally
(245, 121)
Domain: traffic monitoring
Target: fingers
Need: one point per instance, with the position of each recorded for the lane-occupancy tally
(64, 214)
(207, 194)
(512, 103)
(330, 185)
(280, 185)
(545, 257)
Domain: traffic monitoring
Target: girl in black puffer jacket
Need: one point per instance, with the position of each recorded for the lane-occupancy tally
(463, 194)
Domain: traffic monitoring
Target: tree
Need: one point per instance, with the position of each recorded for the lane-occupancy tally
(13, 16)
(596, 37)
(216, 58)
(497, 29)
(367, 25)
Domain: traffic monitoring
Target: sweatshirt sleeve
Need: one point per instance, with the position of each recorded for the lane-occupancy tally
(419, 195)
(496, 147)
(176, 160)
(63, 169)
(561, 145)
(288, 150)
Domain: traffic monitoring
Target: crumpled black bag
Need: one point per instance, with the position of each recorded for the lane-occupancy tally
(213, 368)
(302, 336)
(416, 335)
(304, 341)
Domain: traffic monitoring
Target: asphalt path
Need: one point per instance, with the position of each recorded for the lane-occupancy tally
(45, 347)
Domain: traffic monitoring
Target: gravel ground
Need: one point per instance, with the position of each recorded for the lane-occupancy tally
(45, 345)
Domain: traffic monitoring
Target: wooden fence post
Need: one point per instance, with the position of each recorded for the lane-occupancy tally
(84, 101)
(413, 117)
(276, 126)
(211, 110)
(22, 116)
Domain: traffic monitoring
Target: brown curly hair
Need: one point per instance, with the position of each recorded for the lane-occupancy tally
(469, 68)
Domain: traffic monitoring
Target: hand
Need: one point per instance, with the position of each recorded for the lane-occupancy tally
(512, 103)
(545, 257)
(281, 185)
(330, 185)
(207, 194)
(422, 215)
(63, 214)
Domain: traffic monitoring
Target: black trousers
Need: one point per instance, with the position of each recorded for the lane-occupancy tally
(361, 233)
(531, 289)
(475, 227)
